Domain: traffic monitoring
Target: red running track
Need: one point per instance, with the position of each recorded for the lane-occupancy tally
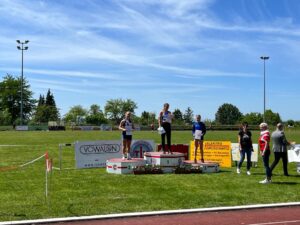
(262, 216)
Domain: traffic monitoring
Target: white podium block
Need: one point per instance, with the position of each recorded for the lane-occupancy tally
(167, 162)
(123, 166)
(206, 167)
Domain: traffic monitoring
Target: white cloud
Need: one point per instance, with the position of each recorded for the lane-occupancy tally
(146, 43)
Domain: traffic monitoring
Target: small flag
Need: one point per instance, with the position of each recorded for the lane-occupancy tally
(48, 163)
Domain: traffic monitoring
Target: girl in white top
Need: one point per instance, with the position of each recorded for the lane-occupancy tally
(126, 126)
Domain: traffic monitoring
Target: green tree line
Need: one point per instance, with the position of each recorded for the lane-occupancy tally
(44, 109)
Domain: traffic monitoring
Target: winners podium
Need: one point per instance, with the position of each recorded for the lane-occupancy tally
(123, 166)
(206, 167)
(166, 162)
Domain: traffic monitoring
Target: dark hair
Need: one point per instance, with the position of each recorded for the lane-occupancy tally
(245, 124)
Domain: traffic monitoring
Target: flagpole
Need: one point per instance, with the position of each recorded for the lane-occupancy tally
(46, 192)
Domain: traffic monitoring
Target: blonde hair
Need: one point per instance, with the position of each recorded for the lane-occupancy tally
(263, 125)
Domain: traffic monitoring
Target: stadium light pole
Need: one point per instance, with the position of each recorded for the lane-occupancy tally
(21, 46)
(264, 58)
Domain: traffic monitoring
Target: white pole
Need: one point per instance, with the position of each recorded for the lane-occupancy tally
(60, 155)
(46, 191)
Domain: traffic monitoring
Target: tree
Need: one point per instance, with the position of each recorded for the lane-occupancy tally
(5, 117)
(10, 98)
(75, 114)
(46, 109)
(53, 113)
(178, 115)
(228, 114)
(95, 115)
(253, 118)
(116, 108)
(290, 123)
(152, 117)
(271, 117)
(188, 115)
(41, 100)
(145, 116)
(49, 99)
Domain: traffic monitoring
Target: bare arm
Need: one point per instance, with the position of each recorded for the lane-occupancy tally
(159, 119)
(121, 126)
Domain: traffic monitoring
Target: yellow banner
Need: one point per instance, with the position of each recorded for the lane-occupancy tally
(214, 151)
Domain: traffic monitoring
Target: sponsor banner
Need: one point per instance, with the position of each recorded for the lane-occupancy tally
(137, 127)
(214, 151)
(86, 128)
(235, 152)
(95, 153)
(105, 127)
(21, 128)
(294, 154)
(139, 147)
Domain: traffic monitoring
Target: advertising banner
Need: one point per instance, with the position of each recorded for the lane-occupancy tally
(236, 153)
(214, 151)
(139, 147)
(294, 154)
(95, 153)
(22, 128)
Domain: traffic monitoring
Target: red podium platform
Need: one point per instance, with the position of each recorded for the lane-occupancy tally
(178, 148)
(167, 162)
(123, 166)
(206, 167)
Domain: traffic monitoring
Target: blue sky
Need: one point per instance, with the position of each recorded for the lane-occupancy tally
(190, 53)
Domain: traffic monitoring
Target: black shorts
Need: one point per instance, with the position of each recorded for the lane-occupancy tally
(126, 137)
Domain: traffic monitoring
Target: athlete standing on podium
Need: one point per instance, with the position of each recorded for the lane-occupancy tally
(199, 130)
(165, 120)
(126, 126)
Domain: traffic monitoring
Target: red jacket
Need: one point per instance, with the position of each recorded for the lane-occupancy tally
(264, 141)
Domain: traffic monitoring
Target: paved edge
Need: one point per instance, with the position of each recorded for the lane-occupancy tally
(151, 213)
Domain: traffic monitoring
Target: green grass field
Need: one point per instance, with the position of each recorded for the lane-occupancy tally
(93, 191)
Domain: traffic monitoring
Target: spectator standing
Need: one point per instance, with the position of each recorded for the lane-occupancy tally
(264, 145)
(245, 147)
(280, 144)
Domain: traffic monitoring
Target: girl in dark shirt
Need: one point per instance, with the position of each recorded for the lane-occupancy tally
(245, 147)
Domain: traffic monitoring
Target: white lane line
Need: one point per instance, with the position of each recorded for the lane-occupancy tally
(279, 222)
(151, 213)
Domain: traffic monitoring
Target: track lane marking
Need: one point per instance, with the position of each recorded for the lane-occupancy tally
(279, 222)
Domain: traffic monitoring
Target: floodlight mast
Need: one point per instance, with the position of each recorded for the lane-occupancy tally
(22, 48)
(264, 58)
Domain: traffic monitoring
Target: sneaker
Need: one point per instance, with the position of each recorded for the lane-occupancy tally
(128, 157)
(248, 173)
(265, 181)
(123, 157)
(238, 171)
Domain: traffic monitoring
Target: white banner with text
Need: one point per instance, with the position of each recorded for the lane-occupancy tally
(91, 154)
